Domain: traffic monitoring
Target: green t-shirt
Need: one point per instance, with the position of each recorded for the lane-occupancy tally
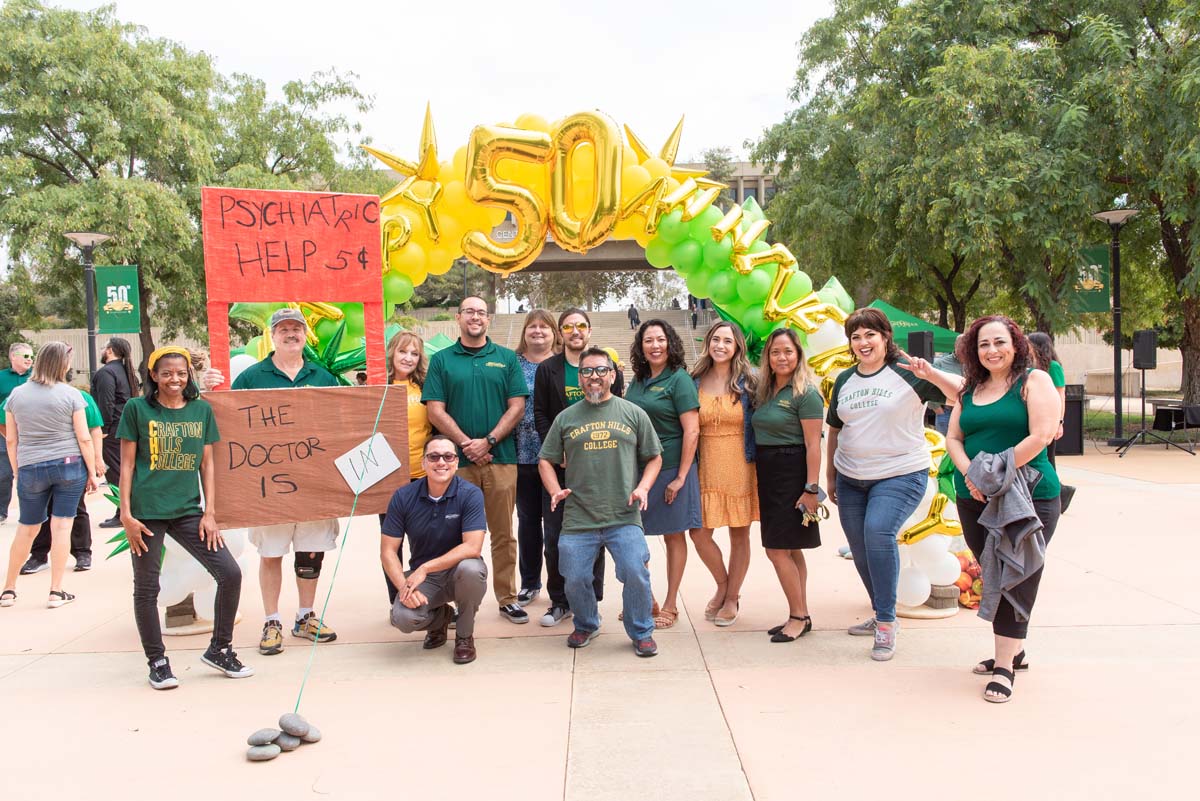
(91, 413)
(994, 428)
(476, 388)
(571, 383)
(170, 445)
(265, 375)
(1057, 376)
(10, 381)
(605, 445)
(777, 422)
(665, 398)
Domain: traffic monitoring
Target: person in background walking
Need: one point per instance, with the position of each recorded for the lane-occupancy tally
(540, 339)
(1046, 358)
(634, 319)
(662, 387)
(20, 359)
(112, 387)
(728, 488)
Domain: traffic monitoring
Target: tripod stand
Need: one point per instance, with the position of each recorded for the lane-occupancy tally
(1144, 432)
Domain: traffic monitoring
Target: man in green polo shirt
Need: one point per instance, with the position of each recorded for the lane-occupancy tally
(20, 359)
(475, 394)
(285, 368)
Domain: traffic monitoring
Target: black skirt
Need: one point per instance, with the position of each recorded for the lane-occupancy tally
(782, 473)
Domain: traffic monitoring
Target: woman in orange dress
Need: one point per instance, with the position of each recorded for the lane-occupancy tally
(728, 487)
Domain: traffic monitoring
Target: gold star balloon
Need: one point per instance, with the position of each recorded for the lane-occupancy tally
(420, 188)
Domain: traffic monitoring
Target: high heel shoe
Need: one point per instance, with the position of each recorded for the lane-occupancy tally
(777, 634)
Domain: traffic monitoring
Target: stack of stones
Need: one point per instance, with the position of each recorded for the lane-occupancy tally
(269, 743)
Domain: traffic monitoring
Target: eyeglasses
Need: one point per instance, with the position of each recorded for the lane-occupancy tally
(568, 328)
(587, 372)
(442, 457)
(473, 312)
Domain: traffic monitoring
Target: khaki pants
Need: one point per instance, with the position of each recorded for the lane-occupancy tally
(499, 485)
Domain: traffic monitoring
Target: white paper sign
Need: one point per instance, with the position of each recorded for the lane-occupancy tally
(368, 463)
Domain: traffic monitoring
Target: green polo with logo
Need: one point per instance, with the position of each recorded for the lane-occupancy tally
(10, 381)
(665, 398)
(476, 388)
(265, 375)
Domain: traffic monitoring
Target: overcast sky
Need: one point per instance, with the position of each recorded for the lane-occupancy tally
(726, 65)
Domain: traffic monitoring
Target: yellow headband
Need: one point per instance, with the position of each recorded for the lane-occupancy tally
(169, 350)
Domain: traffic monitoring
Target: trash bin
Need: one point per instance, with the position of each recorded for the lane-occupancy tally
(1071, 443)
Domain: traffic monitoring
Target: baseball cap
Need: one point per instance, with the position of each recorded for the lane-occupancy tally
(287, 314)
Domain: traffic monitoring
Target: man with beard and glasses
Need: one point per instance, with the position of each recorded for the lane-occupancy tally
(556, 387)
(286, 368)
(605, 442)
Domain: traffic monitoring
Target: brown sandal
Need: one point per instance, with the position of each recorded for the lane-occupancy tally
(665, 618)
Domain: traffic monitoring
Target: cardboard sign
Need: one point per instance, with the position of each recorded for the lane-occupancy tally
(275, 462)
(273, 246)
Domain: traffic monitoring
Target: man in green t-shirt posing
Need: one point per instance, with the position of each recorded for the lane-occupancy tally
(475, 394)
(20, 359)
(286, 367)
(603, 441)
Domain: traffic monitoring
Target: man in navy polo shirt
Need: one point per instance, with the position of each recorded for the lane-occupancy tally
(443, 517)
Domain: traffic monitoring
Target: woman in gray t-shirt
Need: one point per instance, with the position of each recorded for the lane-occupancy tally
(51, 448)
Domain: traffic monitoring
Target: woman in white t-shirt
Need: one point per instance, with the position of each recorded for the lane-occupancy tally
(877, 465)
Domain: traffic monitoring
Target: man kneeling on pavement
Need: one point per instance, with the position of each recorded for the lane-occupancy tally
(443, 517)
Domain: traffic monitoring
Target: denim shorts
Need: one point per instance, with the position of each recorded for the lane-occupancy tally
(55, 485)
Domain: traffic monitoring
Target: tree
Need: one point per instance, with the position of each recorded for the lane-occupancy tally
(719, 163)
(585, 289)
(105, 128)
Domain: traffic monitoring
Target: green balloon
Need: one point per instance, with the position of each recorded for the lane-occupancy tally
(759, 246)
(687, 256)
(396, 289)
(701, 225)
(753, 288)
(697, 284)
(734, 310)
(672, 228)
(722, 286)
(800, 286)
(718, 254)
(752, 320)
(658, 253)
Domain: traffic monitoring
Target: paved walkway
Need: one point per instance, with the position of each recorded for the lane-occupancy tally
(1107, 710)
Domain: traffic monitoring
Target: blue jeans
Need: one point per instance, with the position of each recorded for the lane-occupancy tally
(941, 421)
(627, 544)
(872, 512)
(54, 485)
(6, 478)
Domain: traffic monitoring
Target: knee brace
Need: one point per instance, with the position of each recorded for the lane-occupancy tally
(308, 565)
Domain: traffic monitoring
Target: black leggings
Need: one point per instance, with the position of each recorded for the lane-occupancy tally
(146, 569)
(969, 510)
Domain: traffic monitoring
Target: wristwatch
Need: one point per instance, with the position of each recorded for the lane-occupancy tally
(812, 489)
(491, 441)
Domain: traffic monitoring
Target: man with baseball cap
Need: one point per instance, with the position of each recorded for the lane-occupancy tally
(283, 368)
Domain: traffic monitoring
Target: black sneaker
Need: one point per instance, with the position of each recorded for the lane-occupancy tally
(526, 597)
(161, 677)
(227, 662)
(514, 613)
(83, 562)
(112, 522)
(34, 565)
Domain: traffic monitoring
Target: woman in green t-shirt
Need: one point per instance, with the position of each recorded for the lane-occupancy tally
(166, 460)
(787, 437)
(662, 387)
(1005, 403)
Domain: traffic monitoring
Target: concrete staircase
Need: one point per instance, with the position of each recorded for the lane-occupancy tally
(610, 329)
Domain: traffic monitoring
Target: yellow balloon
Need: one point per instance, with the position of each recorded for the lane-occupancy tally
(533, 122)
(582, 193)
(657, 168)
(634, 178)
(628, 228)
(641, 237)
(446, 173)
(454, 199)
(440, 261)
(407, 260)
(583, 159)
(585, 204)
(459, 165)
(628, 156)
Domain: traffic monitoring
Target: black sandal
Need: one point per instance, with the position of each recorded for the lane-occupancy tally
(777, 634)
(985, 667)
(1003, 694)
(8, 597)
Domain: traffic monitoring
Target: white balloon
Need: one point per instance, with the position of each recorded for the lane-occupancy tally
(905, 556)
(205, 600)
(913, 588)
(946, 571)
(922, 510)
(181, 574)
(829, 336)
(239, 363)
(235, 541)
(950, 511)
(928, 552)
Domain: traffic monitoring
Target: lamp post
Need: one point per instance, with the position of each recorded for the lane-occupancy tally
(1115, 219)
(87, 242)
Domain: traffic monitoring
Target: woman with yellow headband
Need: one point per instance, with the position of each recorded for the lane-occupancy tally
(166, 459)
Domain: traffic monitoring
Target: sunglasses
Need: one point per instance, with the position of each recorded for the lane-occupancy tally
(587, 372)
(442, 457)
(568, 328)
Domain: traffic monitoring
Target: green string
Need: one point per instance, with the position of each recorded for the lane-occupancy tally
(312, 653)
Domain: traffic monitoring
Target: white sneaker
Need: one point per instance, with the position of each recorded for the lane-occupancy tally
(864, 629)
(555, 615)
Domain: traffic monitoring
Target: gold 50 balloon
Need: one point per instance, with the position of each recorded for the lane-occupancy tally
(580, 181)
